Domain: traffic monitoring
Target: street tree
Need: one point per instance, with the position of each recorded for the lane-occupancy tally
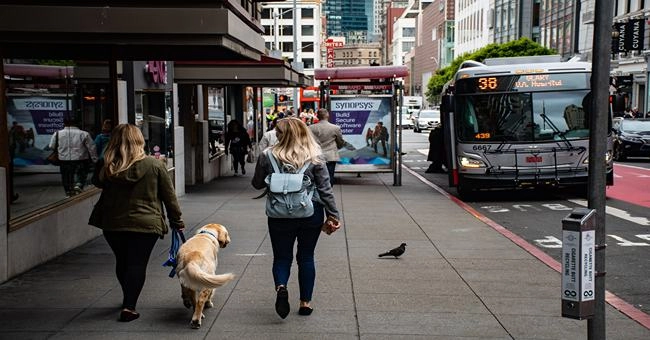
(517, 48)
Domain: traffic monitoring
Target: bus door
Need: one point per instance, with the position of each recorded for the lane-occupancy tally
(447, 109)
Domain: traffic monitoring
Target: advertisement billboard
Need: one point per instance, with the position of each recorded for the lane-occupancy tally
(366, 125)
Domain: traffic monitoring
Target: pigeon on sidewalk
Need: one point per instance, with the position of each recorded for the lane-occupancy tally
(397, 252)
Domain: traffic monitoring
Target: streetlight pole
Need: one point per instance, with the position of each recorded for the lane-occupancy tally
(597, 149)
(296, 102)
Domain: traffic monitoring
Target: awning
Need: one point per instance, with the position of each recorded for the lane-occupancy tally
(190, 30)
(268, 72)
(361, 72)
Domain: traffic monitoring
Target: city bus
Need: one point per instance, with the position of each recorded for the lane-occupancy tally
(519, 122)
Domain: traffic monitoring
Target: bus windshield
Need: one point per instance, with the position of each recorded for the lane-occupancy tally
(522, 116)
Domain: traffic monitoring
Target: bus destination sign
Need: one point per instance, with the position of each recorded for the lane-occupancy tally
(524, 83)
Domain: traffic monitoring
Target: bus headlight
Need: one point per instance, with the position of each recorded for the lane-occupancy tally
(467, 162)
(608, 158)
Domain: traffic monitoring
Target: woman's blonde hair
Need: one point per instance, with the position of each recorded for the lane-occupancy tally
(296, 144)
(125, 147)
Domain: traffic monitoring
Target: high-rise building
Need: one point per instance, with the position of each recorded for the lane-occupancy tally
(346, 18)
(471, 28)
(277, 20)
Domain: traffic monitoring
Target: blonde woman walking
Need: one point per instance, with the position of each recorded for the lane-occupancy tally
(296, 146)
(129, 210)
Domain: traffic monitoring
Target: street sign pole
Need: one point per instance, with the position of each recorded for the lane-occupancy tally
(598, 127)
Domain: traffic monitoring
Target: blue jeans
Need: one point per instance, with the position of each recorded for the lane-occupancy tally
(284, 232)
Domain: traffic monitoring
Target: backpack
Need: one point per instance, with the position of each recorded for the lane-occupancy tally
(290, 194)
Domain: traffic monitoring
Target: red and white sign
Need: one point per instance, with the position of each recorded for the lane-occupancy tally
(331, 44)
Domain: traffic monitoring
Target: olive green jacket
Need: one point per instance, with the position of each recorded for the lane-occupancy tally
(133, 199)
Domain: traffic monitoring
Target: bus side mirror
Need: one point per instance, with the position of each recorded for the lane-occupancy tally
(447, 103)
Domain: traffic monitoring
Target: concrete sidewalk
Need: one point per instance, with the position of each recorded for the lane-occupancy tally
(459, 278)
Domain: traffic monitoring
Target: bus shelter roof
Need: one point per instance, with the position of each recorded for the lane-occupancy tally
(361, 72)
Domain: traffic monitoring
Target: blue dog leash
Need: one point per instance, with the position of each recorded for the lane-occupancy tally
(178, 238)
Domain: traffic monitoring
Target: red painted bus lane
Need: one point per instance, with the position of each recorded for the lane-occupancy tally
(632, 185)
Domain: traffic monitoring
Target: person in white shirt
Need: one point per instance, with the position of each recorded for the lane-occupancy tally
(270, 138)
(76, 150)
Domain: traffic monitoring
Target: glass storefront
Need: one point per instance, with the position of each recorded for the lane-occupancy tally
(40, 95)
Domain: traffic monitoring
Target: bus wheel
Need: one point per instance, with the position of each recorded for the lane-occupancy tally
(465, 193)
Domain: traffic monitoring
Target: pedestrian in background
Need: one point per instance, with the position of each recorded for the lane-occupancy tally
(270, 137)
(296, 146)
(76, 151)
(101, 140)
(130, 209)
(436, 150)
(330, 139)
(238, 143)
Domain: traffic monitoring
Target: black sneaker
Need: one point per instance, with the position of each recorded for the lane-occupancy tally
(282, 302)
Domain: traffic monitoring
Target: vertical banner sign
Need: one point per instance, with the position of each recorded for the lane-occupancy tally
(635, 33)
(587, 268)
(368, 144)
(618, 44)
(570, 268)
(330, 44)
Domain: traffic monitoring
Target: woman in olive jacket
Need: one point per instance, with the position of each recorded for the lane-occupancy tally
(130, 211)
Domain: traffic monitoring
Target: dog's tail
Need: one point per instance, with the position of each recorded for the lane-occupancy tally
(192, 276)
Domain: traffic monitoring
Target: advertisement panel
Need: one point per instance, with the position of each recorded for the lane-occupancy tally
(366, 125)
(32, 122)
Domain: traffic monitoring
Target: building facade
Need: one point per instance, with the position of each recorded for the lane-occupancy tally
(277, 18)
(471, 26)
(357, 55)
(434, 46)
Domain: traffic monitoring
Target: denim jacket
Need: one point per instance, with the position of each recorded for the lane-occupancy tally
(316, 172)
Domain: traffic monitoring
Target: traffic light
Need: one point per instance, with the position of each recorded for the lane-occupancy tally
(283, 98)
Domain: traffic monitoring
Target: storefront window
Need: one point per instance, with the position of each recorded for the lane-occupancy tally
(155, 119)
(40, 96)
(216, 120)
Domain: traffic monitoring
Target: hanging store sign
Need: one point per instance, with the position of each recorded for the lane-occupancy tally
(618, 42)
(636, 29)
(628, 36)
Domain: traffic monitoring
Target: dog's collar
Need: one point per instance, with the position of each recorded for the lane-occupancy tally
(209, 233)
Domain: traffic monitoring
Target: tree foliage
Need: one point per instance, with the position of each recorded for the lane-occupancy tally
(517, 48)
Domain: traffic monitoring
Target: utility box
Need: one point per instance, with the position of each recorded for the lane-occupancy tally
(578, 269)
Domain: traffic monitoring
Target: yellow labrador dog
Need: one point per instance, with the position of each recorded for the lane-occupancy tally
(197, 263)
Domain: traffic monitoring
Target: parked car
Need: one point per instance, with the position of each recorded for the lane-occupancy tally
(407, 121)
(426, 119)
(631, 138)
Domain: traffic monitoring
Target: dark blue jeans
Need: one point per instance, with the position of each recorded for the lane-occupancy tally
(74, 173)
(284, 232)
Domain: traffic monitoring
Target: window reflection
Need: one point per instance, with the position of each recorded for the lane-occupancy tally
(39, 97)
(154, 118)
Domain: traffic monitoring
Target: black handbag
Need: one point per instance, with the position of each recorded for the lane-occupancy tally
(53, 158)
